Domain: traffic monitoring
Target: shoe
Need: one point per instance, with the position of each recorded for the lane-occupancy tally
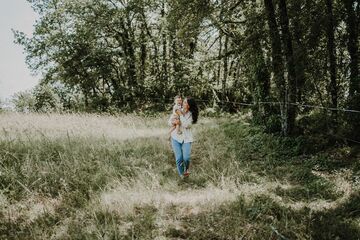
(186, 173)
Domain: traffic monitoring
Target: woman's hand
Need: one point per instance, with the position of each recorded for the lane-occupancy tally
(177, 122)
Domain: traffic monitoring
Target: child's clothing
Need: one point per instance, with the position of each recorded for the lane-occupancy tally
(186, 123)
(175, 116)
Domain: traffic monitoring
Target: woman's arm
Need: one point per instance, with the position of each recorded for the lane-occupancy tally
(172, 121)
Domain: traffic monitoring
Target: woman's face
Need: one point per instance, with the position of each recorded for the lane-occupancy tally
(186, 105)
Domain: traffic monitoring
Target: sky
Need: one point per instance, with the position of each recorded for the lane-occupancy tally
(14, 73)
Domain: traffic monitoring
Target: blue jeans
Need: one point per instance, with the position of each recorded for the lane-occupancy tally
(182, 155)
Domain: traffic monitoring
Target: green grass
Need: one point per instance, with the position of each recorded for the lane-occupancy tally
(93, 184)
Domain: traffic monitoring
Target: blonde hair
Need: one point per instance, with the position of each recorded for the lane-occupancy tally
(176, 97)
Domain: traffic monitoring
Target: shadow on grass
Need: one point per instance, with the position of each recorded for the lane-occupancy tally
(262, 218)
(284, 159)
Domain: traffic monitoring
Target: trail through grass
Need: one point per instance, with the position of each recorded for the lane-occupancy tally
(107, 177)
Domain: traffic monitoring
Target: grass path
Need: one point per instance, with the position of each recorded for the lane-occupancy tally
(127, 196)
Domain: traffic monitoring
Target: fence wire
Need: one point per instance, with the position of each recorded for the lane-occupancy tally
(278, 103)
(270, 103)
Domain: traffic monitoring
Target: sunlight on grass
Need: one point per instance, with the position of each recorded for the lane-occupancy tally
(52, 126)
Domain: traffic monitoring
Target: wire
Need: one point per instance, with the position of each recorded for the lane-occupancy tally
(294, 104)
(272, 103)
(326, 108)
(278, 103)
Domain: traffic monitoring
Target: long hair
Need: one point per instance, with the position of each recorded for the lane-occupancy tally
(193, 108)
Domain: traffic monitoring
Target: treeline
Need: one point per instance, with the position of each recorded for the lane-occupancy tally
(116, 54)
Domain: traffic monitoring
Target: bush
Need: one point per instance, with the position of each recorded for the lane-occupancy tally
(46, 100)
(353, 119)
(24, 101)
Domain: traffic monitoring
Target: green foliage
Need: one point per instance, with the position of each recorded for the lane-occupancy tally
(353, 119)
(46, 99)
(24, 101)
(111, 56)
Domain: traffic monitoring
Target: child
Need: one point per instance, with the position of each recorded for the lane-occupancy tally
(177, 111)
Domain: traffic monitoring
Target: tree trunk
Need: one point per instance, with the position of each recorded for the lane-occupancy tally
(143, 54)
(129, 55)
(277, 62)
(300, 51)
(219, 63)
(225, 75)
(155, 69)
(176, 73)
(352, 26)
(143, 48)
(289, 56)
(164, 66)
(331, 53)
(261, 81)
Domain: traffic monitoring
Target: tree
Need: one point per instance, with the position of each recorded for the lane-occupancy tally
(331, 49)
(277, 64)
(130, 55)
(24, 101)
(352, 26)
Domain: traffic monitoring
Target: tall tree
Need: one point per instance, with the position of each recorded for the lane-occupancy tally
(277, 63)
(352, 25)
(300, 51)
(290, 63)
(225, 62)
(164, 67)
(331, 49)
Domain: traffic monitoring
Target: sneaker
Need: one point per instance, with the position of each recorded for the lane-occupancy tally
(186, 173)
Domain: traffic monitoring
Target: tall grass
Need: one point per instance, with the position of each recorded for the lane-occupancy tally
(114, 177)
(16, 125)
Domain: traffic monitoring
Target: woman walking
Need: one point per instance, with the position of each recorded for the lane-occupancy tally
(181, 141)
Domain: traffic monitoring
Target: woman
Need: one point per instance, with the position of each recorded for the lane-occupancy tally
(181, 141)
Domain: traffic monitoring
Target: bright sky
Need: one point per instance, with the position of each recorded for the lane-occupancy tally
(14, 74)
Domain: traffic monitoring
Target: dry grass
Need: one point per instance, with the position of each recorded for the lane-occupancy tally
(30, 209)
(88, 126)
(123, 197)
(128, 179)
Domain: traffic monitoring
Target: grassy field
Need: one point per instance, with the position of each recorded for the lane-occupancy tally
(107, 177)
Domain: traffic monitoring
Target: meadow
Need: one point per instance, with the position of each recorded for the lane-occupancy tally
(87, 176)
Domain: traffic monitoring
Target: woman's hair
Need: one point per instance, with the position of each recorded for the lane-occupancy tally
(193, 108)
